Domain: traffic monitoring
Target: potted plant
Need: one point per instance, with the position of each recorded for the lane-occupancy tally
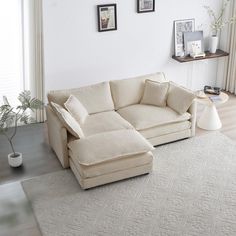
(218, 22)
(11, 117)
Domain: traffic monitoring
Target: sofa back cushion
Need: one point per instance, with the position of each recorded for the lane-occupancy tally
(127, 92)
(95, 98)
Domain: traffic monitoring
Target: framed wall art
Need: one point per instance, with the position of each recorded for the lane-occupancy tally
(145, 6)
(107, 17)
(193, 40)
(181, 26)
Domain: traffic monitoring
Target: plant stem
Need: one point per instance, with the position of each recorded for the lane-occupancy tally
(15, 128)
(10, 141)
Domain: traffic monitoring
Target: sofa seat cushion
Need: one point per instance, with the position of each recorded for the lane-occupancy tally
(113, 165)
(109, 146)
(146, 116)
(104, 122)
(165, 129)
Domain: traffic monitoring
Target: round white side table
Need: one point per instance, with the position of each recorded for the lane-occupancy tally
(209, 119)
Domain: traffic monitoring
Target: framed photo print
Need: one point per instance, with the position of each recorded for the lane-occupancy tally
(181, 26)
(107, 19)
(193, 42)
(145, 6)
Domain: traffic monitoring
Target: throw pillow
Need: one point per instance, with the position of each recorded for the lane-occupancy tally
(76, 109)
(68, 121)
(155, 93)
(179, 98)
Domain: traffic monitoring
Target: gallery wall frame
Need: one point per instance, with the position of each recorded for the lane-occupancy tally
(107, 17)
(144, 6)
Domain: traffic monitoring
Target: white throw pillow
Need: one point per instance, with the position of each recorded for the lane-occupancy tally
(155, 93)
(68, 121)
(179, 98)
(76, 109)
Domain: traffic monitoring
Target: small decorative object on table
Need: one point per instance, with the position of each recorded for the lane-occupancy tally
(212, 90)
(107, 19)
(11, 117)
(145, 6)
(215, 98)
(217, 24)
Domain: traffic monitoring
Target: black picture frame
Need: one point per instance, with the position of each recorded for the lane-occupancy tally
(150, 6)
(107, 17)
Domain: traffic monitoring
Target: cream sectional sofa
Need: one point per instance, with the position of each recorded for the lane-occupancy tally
(115, 107)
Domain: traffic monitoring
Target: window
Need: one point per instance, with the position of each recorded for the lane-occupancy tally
(11, 50)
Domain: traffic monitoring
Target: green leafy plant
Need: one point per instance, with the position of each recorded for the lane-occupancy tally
(218, 21)
(11, 117)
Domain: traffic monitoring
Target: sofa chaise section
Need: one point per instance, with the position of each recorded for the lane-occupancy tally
(108, 157)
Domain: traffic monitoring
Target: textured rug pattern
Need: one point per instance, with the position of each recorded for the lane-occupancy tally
(191, 191)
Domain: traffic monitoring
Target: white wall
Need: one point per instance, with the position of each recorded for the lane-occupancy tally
(76, 54)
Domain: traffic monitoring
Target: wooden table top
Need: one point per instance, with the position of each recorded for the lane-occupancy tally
(223, 97)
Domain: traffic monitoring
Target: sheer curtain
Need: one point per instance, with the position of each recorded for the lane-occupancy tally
(229, 83)
(11, 50)
(33, 50)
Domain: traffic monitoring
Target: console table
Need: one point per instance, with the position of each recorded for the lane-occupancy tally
(219, 53)
(182, 60)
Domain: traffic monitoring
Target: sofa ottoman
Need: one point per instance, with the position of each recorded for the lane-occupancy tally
(108, 157)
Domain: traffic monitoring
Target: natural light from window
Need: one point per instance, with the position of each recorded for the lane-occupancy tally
(11, 50)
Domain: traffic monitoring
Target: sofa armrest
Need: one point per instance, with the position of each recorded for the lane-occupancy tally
(57, 135)
(193, 111)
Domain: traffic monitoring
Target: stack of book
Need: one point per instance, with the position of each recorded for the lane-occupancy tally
(215, 98)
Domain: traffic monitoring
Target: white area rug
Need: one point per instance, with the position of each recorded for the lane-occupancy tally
(192, 191)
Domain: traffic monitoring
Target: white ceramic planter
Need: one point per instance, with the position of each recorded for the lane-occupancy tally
(15, 161)
(213, 44)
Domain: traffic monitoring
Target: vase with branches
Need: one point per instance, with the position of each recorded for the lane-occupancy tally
(12, 117)
(218, 22)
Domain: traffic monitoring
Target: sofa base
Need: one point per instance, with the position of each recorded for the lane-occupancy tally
(170, 137)
(87, 183)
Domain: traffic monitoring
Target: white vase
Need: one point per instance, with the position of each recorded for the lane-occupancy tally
(15, 161)
(213, 44)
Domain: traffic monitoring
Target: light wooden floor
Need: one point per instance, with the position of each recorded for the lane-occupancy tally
(16, 216)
